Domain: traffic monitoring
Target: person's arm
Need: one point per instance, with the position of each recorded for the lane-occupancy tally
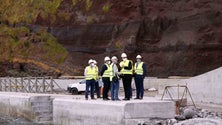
(103, 70)
(129, 67)
(144, 70)
(85, 72)
(118, 66)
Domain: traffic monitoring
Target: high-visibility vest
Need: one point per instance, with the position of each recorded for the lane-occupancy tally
(126, 63)
(139, 68)
(107, 72)
(90, 73)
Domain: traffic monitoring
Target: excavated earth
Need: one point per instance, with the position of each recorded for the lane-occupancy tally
(175, 37)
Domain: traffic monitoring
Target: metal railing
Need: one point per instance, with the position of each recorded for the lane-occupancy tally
(28, 84)
(184, 95)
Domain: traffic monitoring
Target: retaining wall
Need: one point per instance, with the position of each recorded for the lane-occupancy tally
(206, 88)
(30, 106)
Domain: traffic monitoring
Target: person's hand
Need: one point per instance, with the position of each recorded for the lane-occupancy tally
(121, 65)
(100, 77)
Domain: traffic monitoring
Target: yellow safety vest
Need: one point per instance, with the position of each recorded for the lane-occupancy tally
(90, 73)
(139, 68)
(107, 72)
(126, 71)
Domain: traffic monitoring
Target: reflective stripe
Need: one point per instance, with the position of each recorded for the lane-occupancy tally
(139, 68)
(126, 71)
(91, 73)
(107, 72)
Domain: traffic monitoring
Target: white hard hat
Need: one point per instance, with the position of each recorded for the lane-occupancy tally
(123, 55)
(106, 58)
(94, 61)
(138, 56)
(90, 61)
(114, 58)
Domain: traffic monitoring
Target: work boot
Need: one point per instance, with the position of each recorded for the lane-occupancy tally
(93, 98)
(126, 99)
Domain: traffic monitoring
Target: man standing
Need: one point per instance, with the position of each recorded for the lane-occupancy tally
(114, 78)
(105, 73)
(140, 73)
(126, 71)
(90, 76)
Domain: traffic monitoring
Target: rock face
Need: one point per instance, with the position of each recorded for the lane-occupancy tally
(174, 37)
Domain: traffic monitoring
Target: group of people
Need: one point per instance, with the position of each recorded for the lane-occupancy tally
(112, 72)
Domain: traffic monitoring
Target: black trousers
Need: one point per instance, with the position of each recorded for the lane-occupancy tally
(106, 85)
(127, 80)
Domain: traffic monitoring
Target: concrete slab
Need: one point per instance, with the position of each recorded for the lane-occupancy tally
(99, 112)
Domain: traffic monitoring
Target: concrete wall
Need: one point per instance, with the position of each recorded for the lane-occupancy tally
(149, 82)
(207, 87)
(30, 106)
(16, 105)
(98, 112)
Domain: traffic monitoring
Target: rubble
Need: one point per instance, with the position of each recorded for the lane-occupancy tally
(196, 116)
(189, 116)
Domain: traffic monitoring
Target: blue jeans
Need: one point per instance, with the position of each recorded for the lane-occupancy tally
(139, 86)
(114, 90)
(91, 84)
(97, 89)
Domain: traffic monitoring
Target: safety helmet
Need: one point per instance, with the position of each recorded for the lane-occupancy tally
(106, 58)
(90, 61)
(94, 61)
(123, 55)
(114, 58)
(138, 56)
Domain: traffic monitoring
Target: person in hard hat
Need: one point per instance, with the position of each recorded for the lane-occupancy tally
(105, 73)
(90, 76)
(139, 75)
(114, 79)
(127, 74)
(97, 87)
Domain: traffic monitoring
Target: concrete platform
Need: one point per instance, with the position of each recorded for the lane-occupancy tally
(99, 112)
(59, 109)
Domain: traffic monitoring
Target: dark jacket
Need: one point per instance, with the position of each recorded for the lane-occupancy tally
(104, 67)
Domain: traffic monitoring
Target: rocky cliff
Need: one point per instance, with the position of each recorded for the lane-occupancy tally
(175, 37)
